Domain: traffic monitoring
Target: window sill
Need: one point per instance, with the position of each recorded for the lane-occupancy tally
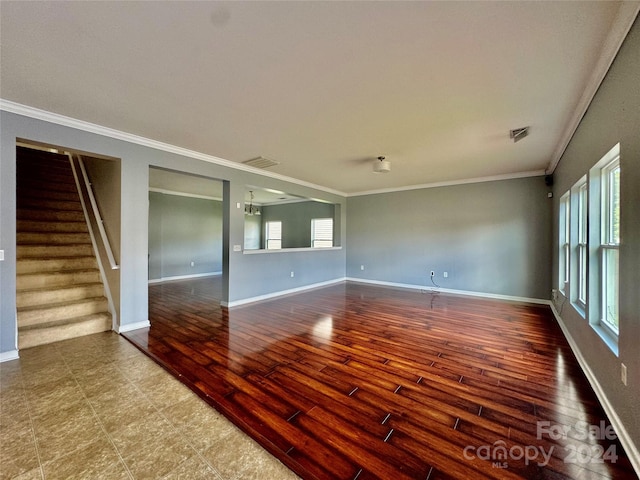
(607, 338)
(288, 250)
(578, 307)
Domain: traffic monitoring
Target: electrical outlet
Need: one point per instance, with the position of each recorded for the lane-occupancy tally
(292, 274)
(445, 274)
(361, 267)
(193, 264)
(1, 255)
(623, 373)
(433, 273)
(554, 294)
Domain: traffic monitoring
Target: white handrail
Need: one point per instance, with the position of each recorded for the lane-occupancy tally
(96, 214)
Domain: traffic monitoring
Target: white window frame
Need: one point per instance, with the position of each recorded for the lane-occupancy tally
(563, 249)
(581, 246)
(321, 232)
(273, 235)
(610, 243)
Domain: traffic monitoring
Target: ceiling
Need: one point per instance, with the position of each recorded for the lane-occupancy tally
(322, 87)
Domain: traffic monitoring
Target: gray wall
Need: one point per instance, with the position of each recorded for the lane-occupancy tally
(244, 275)
(612, 117)
(490, 237)
(296, 221)
(184, 230)
(104, 176)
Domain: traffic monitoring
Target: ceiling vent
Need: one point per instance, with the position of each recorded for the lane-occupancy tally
(518, 133)
(261, 162)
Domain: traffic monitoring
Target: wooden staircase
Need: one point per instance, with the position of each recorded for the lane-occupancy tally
(60, 294)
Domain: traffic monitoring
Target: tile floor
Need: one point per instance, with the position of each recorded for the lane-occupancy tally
(95, 407)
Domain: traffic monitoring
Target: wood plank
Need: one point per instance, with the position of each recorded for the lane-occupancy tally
(397, 387)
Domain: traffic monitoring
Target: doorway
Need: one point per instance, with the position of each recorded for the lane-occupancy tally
(185, 232)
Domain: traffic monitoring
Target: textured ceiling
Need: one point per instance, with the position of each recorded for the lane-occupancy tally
(322, 87)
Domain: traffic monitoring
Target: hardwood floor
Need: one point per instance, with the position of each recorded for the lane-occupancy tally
(359, 382)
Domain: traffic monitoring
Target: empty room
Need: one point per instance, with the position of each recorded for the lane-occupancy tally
(320, 240)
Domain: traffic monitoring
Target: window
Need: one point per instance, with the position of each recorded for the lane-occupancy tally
(582, 245)
(610, 244)
(563, 261)
(273, 235)
(322, 232)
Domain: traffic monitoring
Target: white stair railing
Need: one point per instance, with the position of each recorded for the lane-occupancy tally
(96, 213)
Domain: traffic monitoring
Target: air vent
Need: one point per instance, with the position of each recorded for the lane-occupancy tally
(518, 133)
(261, 162)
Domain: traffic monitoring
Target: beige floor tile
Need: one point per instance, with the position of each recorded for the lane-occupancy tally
(203, 431)
(240, 457)
(193, 468)
(143, 431)
(47, 397)
(140, 367)
(17, 451)
(163, 390)
(156, 458)
(97, 459)
(60, 440)
(35, 474)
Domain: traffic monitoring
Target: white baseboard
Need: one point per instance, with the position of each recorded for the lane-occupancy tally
(450, 290)
(627, 442)
(10, 355)
(133, 326)
(184, 277)
(281, 293)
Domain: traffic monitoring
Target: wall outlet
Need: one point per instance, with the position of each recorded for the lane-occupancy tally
(433, 273)
(292, 274)
(1, 255)
(361, 267)
(445, 274)
(623, 373)
(554, 294)
(193, 264)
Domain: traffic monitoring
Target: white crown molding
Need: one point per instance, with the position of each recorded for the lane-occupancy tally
(183, 194)
(493, 178)
(38, 114)
(620, 27)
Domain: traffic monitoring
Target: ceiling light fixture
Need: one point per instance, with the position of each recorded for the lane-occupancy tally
(381, 165)
(518, 133)
(251, 209)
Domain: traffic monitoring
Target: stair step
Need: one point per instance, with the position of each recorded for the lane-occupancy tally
(29, 182)
(33, 214)
(55, 331)
(67, 293)
(48, 251)
(38, 265)
(33, 173)
(29, 168)
(31, 154)
(25, 226)
(31, 316)
(51, 238)
(46, 194)
(41, 204)
(57, 279)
